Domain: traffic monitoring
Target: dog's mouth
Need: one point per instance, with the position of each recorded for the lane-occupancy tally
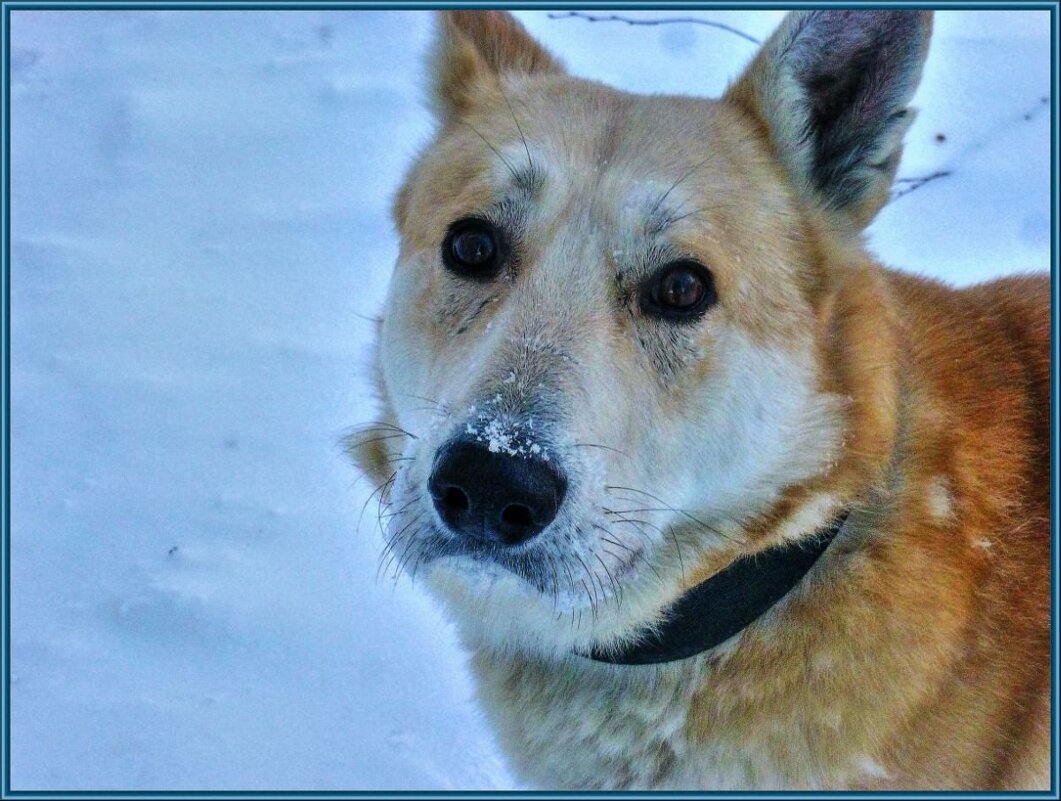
(511, 506)
(583, 563)
(528, 564)
(560, 566)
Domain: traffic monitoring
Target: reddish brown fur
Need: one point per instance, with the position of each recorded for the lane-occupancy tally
(951, 636)
(926, 649)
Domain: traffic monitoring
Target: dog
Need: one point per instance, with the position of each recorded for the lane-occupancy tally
(716, 500)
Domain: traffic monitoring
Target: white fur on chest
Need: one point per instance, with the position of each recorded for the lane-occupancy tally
(579, 724)
(575, 724)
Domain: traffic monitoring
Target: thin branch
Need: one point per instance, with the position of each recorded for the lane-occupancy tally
(912, 184)
(629, 21)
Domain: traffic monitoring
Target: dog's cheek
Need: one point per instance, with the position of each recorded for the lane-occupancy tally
(408, 340)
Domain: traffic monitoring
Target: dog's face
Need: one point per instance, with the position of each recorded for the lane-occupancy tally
(607, 335)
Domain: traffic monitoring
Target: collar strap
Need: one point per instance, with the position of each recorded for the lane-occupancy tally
(725, 604)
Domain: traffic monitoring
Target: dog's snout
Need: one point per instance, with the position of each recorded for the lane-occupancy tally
(494, 496)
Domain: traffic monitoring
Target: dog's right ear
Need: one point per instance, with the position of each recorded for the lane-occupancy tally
(473, 49)
(832, 88)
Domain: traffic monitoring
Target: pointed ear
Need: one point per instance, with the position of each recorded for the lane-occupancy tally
(832, 88)
(473, 50)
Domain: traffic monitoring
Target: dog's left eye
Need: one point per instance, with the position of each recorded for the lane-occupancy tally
(681, 290)
(472, 249)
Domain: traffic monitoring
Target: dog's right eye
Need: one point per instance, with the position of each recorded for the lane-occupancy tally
(473, 248)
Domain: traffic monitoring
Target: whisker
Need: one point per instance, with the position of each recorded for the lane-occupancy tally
(416, 565)
(354, 446)
(435, 401)
(410, 541)
(367, 318)
(607, 538)
(554, 573)
(619, 516)
(440, 412)
(392, 546)
(613, 554)
(379, 425)
(368, 500)
(567, 571)
(404, 508)
(676, 184)
(678, 548)
(442, 407)
(511, 169)
(600, 583)
(380, 504)
(530, 161)
(682, 512)
(671, 220)
(637, 528)
(602, 447)
(636, 555)
(589, 574)
(630, 511)
(591, 599)
(618, 590)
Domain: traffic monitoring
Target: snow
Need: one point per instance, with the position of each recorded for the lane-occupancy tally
(200, 236)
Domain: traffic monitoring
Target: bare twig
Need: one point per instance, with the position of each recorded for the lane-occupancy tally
(912, 184)
(630, 21)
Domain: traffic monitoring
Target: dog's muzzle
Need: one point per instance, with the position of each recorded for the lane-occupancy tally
(492, 497)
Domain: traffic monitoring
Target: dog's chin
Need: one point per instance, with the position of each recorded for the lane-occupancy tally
(496, 608)
(482, 577)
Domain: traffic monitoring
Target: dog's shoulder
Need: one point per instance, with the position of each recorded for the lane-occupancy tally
(990, 336)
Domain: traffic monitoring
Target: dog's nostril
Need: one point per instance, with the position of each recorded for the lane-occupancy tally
(517, 524)
(455, 499)
(488, 496)
(516, 514)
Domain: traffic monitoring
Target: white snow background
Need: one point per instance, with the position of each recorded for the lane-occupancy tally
(199, 231)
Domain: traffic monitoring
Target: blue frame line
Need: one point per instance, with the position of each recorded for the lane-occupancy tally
(614, 5)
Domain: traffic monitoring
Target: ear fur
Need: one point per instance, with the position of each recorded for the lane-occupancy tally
(473, 49)
(373, 448)
(832, 89)
(371, 458)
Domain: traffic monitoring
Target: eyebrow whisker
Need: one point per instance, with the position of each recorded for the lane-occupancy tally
(526, 147)
(671, 220)
(681, 179)
(489, 144)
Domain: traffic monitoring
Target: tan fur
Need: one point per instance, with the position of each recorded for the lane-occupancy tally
(916, 654)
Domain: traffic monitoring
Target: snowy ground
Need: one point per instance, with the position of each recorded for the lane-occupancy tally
(199, 224)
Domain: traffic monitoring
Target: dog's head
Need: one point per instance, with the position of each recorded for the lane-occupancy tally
(617, 349)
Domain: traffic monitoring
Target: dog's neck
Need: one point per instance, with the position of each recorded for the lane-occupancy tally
(725, 604)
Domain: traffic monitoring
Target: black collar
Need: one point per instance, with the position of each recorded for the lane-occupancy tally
(716, 609)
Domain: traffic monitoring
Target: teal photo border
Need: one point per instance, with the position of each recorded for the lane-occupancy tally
(615, 5)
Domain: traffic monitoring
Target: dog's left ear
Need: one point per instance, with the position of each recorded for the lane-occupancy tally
(832, 89)
(473, 49)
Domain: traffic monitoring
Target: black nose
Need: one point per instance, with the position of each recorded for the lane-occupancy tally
(494, 497)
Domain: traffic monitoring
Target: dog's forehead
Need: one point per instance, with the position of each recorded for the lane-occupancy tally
(623, 158)
(614, 197)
